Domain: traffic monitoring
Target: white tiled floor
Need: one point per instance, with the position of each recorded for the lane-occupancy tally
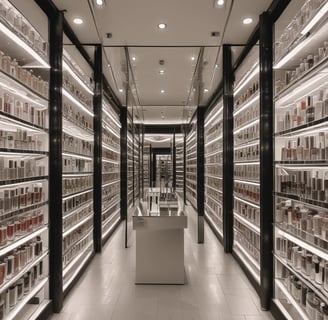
(216, 287)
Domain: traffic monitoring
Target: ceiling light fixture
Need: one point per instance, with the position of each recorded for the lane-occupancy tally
(162, 25)
(120, 90)
(78, 21)
(205, 90)
(220, 3)
(162, 91)
(161, 72)
(247, 21)
(134, 58)
(193, 58)
(99, 2)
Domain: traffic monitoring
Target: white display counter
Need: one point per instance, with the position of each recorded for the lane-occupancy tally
(160, 247)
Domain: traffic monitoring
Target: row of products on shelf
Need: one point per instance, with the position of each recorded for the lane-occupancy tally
(9, 15)
(214, 158)
(216, 218)
(247, 171)
(305, 65)
(308, 184)
(247, 191)
(76, 184)
(13, 262)
(247, 210)
(214, 205)
(19, 169)
(250, 91)
(111, 155)
(250, 152)
(76, 145)
(110, 176)
(214, 131)
(307, 223)
(27, 77)
(247, 239)
(110, 139)
(110, 167)
(107, 213)
(72, 219)
(305, 297)
(292, 32)
(214, 170)
(22, 140)
(250, 132)
(77, 234)
(74, 115)
(79, 246)
(72, 203)
(23, 110)
(309, 265)
(10, 297)
(20, 226)
(252, 112)
(307, 110)
(15, 198)
(79, 94)
(306, 148)
(75, 165)
(214, 183)
(214, 147)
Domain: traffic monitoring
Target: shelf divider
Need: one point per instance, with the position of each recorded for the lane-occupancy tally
(266, 160)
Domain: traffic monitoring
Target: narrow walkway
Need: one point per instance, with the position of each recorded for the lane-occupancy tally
(216, 289)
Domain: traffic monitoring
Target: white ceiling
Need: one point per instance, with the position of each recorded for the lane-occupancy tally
(133, 24)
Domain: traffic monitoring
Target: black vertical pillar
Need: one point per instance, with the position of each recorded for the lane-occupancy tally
(174, 159)
(184, 167)
(124, 163)
(200, 173)
(55, 162)
(266, 160)
(227, 149)
(150, 168)
(97, 163)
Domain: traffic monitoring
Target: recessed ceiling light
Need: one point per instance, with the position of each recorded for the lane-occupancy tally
(193, 58)
(205, 90)
(108, 65)
(99, 2)
(78, 21)
(120, 90)
(162, 25)
(220, 2)
(247, 21)
(134, 58)
(162, 91)
(161, 71)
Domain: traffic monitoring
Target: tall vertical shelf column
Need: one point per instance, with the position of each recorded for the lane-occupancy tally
(130, 166)
(246, 196)
(77, 158)
(24, 169)
(213, 156)
(111, 155)
(301, 171)
(179, 163)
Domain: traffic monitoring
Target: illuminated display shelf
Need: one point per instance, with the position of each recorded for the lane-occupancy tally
(301, 95)
(25, 151)
(80, 129)
(111, 186)
(246, 121)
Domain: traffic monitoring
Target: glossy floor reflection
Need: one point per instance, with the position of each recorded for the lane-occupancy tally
(216, 287)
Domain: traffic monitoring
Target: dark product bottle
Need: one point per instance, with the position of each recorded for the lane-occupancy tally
(309, 110)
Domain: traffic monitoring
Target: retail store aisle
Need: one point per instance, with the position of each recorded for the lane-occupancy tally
(216, 287)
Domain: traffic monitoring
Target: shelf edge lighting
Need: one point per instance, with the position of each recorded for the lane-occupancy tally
(248, 77)
(23, 45)
(78, 103)
(76, 77)
(322, 12)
